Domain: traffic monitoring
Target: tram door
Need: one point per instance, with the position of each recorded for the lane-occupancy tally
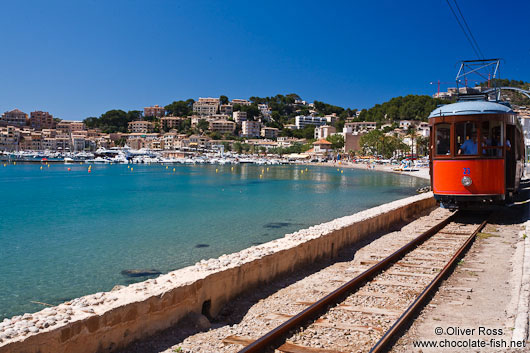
(510, 157)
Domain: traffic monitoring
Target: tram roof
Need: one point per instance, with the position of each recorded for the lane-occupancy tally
(470, 108)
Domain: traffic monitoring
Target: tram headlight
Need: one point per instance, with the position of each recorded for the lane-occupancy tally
(466, 181)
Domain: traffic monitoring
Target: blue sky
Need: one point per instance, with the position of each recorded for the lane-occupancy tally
(81, 58)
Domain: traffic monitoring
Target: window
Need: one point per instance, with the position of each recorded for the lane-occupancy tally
(492, 138)
(466, 138)
(443, 139)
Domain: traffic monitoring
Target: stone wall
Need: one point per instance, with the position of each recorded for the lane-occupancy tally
(103, 322)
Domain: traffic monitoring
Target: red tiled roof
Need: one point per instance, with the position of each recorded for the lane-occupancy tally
(322, 142)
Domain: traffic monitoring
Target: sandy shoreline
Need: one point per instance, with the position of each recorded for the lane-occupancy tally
(422, 173)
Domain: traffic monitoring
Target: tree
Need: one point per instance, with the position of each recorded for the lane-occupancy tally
(223, 99)
(376, 142)
(91, 122)
(411, 132)
(238, 148)
(337, 141)
(215, 135)
(422, 145)
(203, 125)
(308, 132)
(180, 108)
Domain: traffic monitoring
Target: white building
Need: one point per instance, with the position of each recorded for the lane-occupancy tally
(239, 117)
(302, 121)
(322, 132)
(359, 126)
(405, 124)
(266, 113)
(250, 128)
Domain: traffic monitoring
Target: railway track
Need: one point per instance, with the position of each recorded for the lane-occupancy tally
(367, 312)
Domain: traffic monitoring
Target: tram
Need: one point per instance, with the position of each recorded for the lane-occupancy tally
(476, 154)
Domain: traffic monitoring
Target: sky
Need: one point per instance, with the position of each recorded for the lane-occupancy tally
(77, 59)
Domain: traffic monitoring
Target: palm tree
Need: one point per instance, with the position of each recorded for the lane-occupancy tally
(411, 131)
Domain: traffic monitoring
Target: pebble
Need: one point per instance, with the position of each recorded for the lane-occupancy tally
(33, 329)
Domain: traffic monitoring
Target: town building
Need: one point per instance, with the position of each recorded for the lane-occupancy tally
(240, 102)
(322, 132)
(352, 141)
(226, 109)
(155, 111)
(171, 122)
(9, 138)
(269, 132)
(405, 124)
(67, 127)
(331, 119)
(41, 120)
(239, 117)
(322, 147)
(302, 121)
(14, 117)
(250, 128)
(206, 106)
(140, 126)
(222, 126)
(360, 126)
(266, 113)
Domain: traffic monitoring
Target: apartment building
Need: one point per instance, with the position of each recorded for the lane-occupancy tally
(14, 117)
(302, 121)
(239, 117)
(9, 138)
(250, 128)
(226, 109)
(140, 126)
(41, 120)
(171, 122)
(222, 126)
(266, 113)
(269, 132)
(206, 106)
(359, 126)
(154, 111)
(240, 102)
(67, 127)
(331, 119)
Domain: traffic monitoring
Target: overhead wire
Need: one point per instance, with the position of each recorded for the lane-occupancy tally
(463, 29)
(468, 29)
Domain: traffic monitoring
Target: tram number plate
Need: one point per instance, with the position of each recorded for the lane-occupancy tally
(467, 171)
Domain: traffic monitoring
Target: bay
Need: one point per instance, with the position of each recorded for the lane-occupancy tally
(64, 234)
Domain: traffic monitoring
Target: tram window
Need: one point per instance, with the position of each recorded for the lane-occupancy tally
(492, 138)
(443, 139)
(466, 138)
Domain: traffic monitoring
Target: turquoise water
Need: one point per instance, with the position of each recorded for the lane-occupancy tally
(65, 234)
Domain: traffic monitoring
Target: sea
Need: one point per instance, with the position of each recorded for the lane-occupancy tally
(67, 231)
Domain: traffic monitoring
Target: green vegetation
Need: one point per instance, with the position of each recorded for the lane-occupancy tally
(337, 141)
(283, 109)
(113, 120)
(410, 107)
(514, 97)
(180, 108)
(376, 142)
(482, 235)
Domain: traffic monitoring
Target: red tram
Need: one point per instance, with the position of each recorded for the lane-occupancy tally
(476, 154)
